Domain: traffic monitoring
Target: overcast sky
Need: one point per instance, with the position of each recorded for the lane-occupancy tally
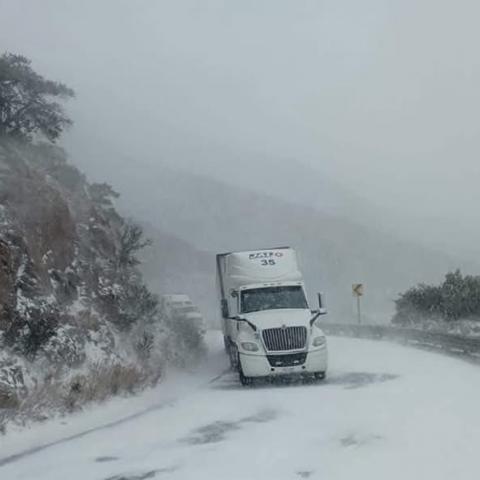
(381, 95)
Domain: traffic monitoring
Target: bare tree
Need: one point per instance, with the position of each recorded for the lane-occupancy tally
(131, 242)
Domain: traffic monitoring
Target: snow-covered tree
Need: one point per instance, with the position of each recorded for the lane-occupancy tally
(27, 101)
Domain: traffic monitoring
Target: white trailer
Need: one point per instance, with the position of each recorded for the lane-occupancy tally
(267, 325)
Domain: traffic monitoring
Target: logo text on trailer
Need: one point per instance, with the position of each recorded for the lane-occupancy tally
(266, 258)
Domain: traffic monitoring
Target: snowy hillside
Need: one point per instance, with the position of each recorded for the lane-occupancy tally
(77, 322)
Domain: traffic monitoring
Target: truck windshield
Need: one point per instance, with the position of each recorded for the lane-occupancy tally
(270, 298)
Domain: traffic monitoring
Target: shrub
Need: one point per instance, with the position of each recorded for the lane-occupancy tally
(102, 382)
(456, 297)
(28, 334)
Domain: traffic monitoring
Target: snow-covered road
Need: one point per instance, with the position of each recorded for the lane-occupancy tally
(385, 412)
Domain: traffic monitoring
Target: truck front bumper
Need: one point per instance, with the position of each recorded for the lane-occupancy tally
(314, 361)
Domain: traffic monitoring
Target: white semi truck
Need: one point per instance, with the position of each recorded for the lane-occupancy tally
(268, 327)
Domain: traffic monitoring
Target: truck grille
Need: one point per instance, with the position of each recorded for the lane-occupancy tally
(288, 338)
(290, 360)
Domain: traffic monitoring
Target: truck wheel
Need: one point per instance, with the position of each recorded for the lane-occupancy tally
(319, 375)
(245, 381)
(226, 343)
(233, 354)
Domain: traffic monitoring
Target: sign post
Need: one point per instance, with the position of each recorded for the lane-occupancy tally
(358, 290)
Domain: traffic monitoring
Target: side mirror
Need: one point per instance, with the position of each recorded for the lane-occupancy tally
(321, 304)
(240, 319)
(224, 304)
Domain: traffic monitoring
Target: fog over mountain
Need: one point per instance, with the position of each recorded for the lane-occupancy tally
(215, 217)
(354, 117)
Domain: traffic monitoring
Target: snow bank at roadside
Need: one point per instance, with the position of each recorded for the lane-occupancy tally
(176, 384)
(386, 411)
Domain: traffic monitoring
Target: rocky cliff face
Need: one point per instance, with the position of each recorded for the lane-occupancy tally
(73, 306)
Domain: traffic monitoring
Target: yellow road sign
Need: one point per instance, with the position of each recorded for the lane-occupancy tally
(358, 289)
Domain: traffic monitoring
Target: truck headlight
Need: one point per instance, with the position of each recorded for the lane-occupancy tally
(319, 341)
(249, 346)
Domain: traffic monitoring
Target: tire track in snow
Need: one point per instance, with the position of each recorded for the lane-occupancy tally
(33, 450)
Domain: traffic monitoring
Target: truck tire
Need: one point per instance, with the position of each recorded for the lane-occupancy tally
(233, 355)
(319, 375)
(226, 343)
(245, 381)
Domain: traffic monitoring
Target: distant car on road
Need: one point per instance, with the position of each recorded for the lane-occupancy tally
(180, 307)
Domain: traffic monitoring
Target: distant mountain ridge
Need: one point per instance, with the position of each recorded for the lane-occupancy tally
(296, 180)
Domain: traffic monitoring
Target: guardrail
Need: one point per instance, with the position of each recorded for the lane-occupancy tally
(452, 344)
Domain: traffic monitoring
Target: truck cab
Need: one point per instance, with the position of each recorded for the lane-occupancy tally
(268, 326)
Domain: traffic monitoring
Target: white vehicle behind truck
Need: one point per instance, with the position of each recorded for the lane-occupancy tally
(180, 307)
(268, 327)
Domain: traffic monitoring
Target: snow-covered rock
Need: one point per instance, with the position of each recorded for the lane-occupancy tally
(72, 300)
